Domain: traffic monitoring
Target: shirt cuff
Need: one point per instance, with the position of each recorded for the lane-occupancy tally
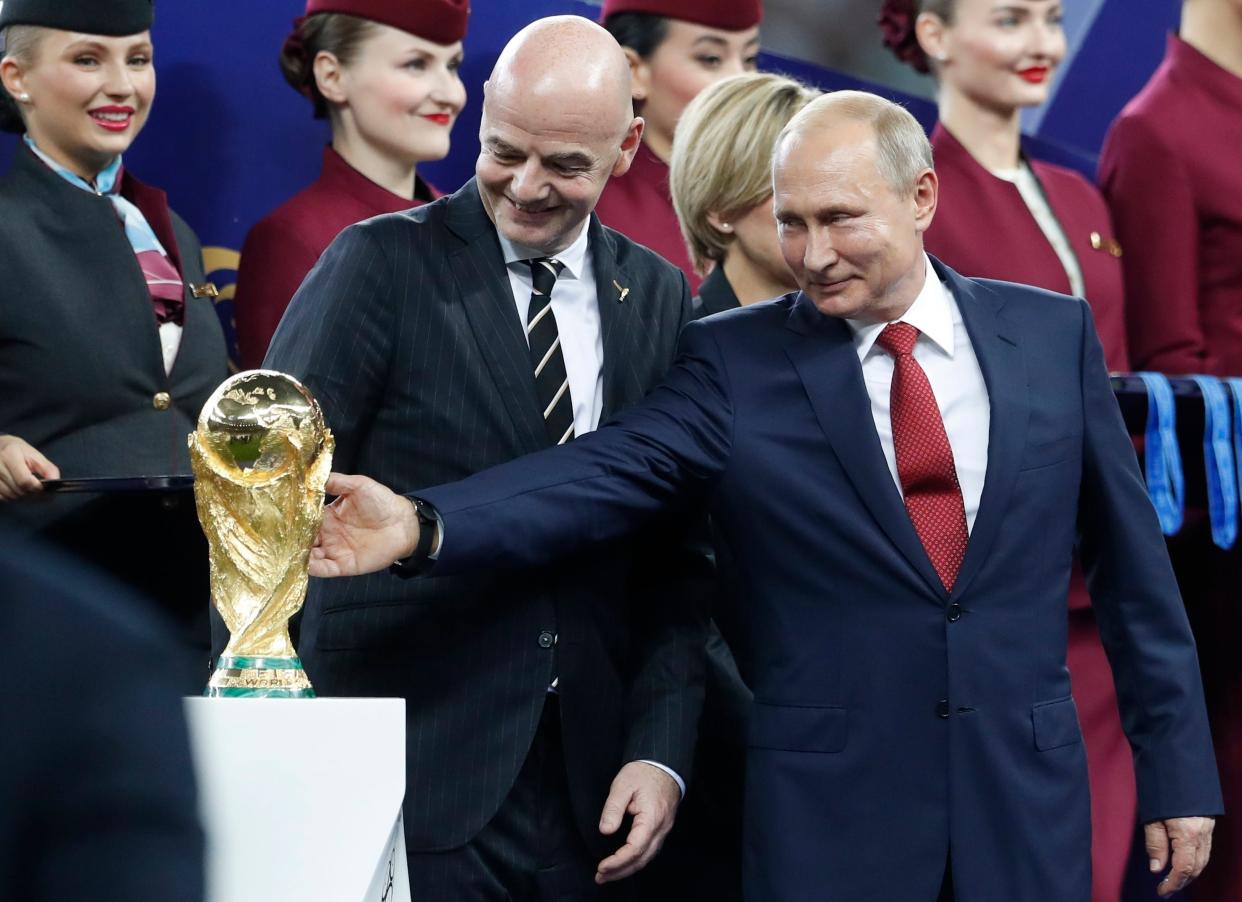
(681, 784)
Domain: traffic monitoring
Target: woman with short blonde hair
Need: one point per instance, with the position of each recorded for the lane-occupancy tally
(721, 181)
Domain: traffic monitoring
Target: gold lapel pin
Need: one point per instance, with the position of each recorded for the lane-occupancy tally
(206, 290)
(621, 292)
(1109, 246)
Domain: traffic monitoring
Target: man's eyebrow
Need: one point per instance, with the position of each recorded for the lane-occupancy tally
(500, 144)
(572, 158)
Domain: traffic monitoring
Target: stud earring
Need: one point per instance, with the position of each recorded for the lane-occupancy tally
(24, 97)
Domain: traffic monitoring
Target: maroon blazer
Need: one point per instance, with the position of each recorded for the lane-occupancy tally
(984, 229)
(640, 207)
(1170, 171)
(283, 246)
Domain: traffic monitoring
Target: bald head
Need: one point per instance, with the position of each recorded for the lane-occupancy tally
(901, 149)
(564, 64)
(557, 123)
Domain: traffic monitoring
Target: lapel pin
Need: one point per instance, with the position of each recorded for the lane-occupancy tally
(1107, 245)
(206, 290)
(621, 292)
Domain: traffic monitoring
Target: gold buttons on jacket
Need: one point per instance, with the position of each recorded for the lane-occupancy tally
(162, 400)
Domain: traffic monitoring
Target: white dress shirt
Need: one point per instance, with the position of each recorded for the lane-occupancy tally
(576, 308)
(577, 321)
(944, 352)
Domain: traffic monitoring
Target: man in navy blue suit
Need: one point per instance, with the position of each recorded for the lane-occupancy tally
(904, 461)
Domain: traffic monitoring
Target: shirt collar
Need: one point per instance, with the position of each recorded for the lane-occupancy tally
(105, 182)
(931, 313)
(573, 257)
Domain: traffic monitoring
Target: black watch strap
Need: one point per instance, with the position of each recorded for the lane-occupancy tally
(420, 560)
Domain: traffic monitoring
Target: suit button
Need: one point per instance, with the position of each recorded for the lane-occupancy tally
(546, 639)
(954, 613)
(162, 400)
(942, 708)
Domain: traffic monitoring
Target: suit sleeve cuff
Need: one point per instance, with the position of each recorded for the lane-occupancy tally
(681, 784)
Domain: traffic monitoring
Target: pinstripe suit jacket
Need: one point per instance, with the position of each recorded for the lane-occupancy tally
(407, 333)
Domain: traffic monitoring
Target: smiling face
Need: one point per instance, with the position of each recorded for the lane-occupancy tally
(545, 159)
(90, 96)
(853, 241)
(401, 93)
(690, 58)
(1002, 54)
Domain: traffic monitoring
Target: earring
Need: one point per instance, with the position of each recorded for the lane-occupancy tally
(24, 97)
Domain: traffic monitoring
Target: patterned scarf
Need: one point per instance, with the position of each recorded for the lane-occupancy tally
(163, 280)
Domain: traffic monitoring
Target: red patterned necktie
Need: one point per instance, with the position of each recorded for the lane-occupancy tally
(924, 457)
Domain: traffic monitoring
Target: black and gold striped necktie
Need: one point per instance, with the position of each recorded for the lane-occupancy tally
(551, 380)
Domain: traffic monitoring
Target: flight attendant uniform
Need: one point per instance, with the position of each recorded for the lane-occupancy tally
(638, 204)
(283, 246)
(1170, 171)
(1064, 244)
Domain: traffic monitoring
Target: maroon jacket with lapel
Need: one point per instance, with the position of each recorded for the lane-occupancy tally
(640, 207)
(283, 246)
(984, 229)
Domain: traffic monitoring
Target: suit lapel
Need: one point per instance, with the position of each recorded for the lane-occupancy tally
(1004, 373)
(615, 315)
(478, 266)
(823, 353)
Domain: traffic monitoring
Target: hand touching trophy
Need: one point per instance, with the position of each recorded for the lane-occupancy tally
(261, 455)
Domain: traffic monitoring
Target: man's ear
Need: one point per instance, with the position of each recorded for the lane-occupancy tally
(640, 75)
(926, 197)
(629, 146)
(329, 77)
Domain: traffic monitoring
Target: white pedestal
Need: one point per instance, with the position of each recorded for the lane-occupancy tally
(301, 798)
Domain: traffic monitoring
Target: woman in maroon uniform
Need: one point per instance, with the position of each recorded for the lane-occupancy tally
(676, 49)
(1171, 174)
(1003, 215)
(385, 75)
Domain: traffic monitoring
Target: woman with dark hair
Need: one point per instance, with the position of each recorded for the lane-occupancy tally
(384, 73)
(1004, 215)
(109, 344)
(676, 48)
(1170, 171)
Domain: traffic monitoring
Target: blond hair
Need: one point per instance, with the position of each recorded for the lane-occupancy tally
(902, 149)
(722, 154)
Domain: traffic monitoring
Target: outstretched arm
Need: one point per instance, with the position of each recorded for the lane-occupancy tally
(541, 507)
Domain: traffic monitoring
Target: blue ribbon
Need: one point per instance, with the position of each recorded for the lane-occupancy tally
(1235, 389)
(1165, 482)
(1218, 461)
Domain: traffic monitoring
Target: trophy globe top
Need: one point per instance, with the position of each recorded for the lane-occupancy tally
(259, 422)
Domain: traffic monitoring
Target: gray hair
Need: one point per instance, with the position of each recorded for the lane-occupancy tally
(902, 149)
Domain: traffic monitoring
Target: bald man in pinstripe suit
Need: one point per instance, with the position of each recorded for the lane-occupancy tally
(543, 707)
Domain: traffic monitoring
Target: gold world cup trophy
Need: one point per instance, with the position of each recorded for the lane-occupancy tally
(261, 455)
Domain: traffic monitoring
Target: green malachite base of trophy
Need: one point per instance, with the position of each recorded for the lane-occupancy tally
(247, 677)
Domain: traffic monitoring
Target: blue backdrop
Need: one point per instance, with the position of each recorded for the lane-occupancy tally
(229, 140)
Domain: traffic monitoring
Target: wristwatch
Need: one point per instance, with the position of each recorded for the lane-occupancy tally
(420, 560)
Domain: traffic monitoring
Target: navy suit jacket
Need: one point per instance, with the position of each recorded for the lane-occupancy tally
(894, 723)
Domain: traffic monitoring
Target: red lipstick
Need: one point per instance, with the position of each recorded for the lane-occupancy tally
(1036, 75)
(113, 118)
(438, 118)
